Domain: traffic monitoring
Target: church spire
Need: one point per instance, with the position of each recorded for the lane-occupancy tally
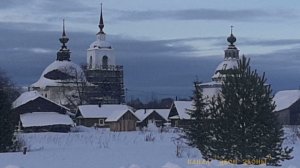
(231, 51)
(64, 52)
(101, 23)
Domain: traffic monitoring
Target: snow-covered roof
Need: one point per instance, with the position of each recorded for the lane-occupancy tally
(163, 112)
(144, 113)
(66, 67)
(112, 112)
(100, 44)
(284, 99)
(30, 96)
(183, 108)
(228, 63)
(36, 119)
(25, 97)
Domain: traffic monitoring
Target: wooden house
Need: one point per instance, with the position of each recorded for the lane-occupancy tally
(288, 107)
(179, 113)
(37, 113)
(158, 116)
(117, 117)
(32, 101)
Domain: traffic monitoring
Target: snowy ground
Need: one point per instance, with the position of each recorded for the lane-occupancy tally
(92, 148)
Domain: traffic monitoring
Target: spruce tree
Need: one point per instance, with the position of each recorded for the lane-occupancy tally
(7, 121)
(198, 134)
(245, 128)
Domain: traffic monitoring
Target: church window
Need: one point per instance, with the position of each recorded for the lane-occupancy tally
(91, 62)
(105, 62)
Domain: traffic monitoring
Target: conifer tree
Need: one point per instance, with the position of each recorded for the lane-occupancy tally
(197, 133)
(7, 93)
(245, 127)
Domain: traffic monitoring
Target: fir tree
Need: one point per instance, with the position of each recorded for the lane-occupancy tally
(197, 133)
(245, 127)
(7, 93)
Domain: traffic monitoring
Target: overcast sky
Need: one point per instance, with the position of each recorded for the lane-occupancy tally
(163, 45)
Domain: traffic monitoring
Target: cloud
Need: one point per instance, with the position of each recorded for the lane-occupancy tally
(273, 42)
(161, 67)
(40, 50)
(203, 14)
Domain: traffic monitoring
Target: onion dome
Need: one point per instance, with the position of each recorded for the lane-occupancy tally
(231, 39)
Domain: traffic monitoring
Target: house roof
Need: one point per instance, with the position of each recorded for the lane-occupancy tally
(164, 113)
(36, 119)
(112, 112)
(183, 107)
(142, 114)
(30, 96)
(284, 99)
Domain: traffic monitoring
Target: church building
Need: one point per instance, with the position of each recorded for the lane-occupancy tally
(103, 72)
(230, 62)
(100, 81)
(63, 80)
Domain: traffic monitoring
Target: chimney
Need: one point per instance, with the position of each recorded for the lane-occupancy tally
(145, 110)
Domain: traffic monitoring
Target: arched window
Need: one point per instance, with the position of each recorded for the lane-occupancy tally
(105, 62)
(91, 62)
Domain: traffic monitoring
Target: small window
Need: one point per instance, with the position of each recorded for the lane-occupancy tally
(105, 62)
(101, 122)
(91, 62)
(46, 95)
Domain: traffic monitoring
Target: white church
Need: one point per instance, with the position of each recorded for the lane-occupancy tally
(230, 62)
(68, 84)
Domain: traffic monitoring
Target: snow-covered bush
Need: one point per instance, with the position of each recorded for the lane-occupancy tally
(149, 137)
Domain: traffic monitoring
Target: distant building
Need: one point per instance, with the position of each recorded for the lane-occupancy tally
(157, 116)
(37, 113)
(117, 117)
(63, 80)
(99, 81)
(288, 107)
(103, 72)
(179, 113)
(230, 62)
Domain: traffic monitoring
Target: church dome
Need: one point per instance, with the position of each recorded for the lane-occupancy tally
(100, 44)
(223, 67)
(60, 72)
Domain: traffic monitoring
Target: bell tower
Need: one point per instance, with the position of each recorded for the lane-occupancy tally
(100, 54)
(102, 71)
